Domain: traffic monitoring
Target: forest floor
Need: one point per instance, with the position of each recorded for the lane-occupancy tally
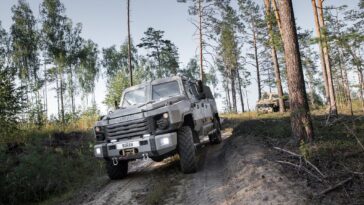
(247, 168)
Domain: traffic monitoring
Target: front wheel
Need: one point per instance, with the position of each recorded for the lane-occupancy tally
(186, 150)
(118, 171)
(216, 138)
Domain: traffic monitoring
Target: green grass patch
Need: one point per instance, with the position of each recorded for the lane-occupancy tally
(47, 162)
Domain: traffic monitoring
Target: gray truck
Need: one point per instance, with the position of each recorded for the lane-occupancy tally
(156, 120)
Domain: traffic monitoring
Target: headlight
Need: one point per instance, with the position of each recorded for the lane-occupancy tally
(165, 115)
(164, 141)
(100, 135)
(98, 151)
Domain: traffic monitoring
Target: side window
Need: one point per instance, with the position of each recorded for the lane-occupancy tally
(193, 91)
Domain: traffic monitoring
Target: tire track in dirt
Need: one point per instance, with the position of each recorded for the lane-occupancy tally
(119, 191)
(207, 185)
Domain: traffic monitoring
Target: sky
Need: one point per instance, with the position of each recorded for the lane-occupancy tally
(105, 22)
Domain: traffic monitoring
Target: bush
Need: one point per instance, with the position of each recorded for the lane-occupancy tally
(34, 171)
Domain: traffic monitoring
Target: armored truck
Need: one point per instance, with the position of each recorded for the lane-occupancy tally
(270, 103)
(156, 120)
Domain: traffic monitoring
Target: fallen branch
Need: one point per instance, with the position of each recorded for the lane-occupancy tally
(300, 156)
(301, 167)
(336, 186)
(287, 151)
(354, 135)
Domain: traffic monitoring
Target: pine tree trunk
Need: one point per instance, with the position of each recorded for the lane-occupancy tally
(322, 58)
(61, 95)
(240, 92)
(129, 47)
(301, 124)
(227, 95)
(310, 76)
(58, 103)
(276, 12)
(200, 13)
(72, 93)
(45, 92)
(333, 108)
(277, 71)
(233, 93)
(347, 90)
(257, 62)
(247, 101)
(361, 87)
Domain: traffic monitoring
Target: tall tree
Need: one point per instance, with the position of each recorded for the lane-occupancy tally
(251, 15)
(309, 57)
(73, 42)
(11, 100)
(54, 31)
(301, 123)
(274, 57)
(25, 40)
(203, 10)
(162, 51)
(129, 47)
(115, 60)
(230, 55)
(321, 32)
(88, 68)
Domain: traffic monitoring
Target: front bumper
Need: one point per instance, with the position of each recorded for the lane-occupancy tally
(136, 148)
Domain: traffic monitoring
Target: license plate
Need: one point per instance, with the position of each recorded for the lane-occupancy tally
(127, 145)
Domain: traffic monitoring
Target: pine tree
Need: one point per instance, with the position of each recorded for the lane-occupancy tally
(277, 72)
(253, 22)
(54, 25)
(163, 52)
(11, 100)
(301, 123)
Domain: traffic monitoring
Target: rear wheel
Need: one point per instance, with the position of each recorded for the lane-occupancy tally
(216, 138)
(118, 171)
(186, 150)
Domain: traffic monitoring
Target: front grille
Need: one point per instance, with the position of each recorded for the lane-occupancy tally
(129, 129)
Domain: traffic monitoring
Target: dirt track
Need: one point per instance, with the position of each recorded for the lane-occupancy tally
(236, 171)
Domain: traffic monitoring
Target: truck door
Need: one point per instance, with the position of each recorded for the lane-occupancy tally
(198, 109)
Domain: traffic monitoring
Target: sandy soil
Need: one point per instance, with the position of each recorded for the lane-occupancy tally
(237, 171)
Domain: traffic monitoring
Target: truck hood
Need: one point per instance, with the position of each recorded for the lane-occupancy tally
(137, 111)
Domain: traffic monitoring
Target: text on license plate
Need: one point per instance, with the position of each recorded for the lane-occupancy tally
(127, 145)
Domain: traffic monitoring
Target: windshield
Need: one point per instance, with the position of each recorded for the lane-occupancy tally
(134, 97)
(165, 90)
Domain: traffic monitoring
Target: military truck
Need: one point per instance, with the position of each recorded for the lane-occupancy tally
(156, 120)
(270, 103)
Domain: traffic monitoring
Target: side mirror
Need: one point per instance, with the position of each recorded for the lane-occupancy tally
(116, 104)
(200, 86)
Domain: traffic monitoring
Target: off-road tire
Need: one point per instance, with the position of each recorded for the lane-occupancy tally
(216, 138)
(186, 150)
(117, 172)
(157, 159)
